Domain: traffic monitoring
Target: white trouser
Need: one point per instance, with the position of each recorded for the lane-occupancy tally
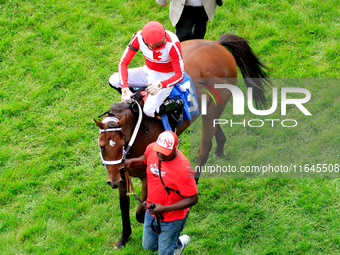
(139, 77)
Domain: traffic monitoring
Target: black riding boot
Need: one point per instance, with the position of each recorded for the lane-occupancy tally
(118, 89)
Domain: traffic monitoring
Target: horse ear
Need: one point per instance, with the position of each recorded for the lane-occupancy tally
(122, 121)
(99, 124)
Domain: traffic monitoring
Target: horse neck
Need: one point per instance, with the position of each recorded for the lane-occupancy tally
(148, 131)
(129, 125)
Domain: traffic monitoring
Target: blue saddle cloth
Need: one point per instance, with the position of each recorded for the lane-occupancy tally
(182, 90)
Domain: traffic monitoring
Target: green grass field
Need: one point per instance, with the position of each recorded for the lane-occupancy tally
(55, 61)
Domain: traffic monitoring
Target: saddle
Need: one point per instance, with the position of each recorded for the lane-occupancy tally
(173, 108)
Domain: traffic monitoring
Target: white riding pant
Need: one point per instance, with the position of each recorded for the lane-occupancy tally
(139, 77)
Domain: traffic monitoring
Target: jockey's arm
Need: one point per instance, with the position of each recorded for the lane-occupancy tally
(122, 66)
(125, 60)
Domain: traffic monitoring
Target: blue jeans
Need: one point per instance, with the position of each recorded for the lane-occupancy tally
(167, 241)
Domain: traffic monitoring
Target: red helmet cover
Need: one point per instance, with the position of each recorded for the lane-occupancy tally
(153, 32)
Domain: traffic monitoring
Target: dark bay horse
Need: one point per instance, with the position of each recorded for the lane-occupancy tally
(202, 59)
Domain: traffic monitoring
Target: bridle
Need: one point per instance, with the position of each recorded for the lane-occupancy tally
(110, 162)
(124, 174)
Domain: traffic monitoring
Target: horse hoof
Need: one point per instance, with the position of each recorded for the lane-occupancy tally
(118, 246)
(218, 154)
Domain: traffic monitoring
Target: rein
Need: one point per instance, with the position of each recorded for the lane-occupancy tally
(125, 174)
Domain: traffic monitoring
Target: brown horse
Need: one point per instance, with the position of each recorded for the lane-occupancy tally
(202, 59)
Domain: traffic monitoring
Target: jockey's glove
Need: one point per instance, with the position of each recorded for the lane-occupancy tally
(153, 88)
(126, 95)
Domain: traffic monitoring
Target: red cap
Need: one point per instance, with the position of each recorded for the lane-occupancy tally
(166, 142)
(153, 32)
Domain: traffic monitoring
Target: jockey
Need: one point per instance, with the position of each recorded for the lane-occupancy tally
(163, 66)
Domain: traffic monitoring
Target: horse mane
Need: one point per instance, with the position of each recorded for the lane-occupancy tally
(120, 109)
(117, 108)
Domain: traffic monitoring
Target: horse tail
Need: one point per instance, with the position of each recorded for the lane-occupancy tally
(250, 65)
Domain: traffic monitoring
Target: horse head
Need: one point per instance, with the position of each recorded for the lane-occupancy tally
(111, 142)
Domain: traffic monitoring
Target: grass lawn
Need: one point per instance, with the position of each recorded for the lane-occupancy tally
(55, 61)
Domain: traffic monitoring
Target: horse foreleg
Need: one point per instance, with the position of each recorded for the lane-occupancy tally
(124, 208)
(140, 213)
(220, 140)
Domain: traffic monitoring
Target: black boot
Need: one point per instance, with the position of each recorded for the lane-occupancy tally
(118, 89)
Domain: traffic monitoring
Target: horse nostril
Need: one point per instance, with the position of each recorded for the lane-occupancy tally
(108, 182)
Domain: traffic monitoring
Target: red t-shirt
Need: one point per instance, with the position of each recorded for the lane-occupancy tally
(176, 175)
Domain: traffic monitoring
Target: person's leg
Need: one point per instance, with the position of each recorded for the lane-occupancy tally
(153, 102)
(179, 244)
(150, 239)
(200, 27)
(136, 78)
(185, 24)
(168, 238)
